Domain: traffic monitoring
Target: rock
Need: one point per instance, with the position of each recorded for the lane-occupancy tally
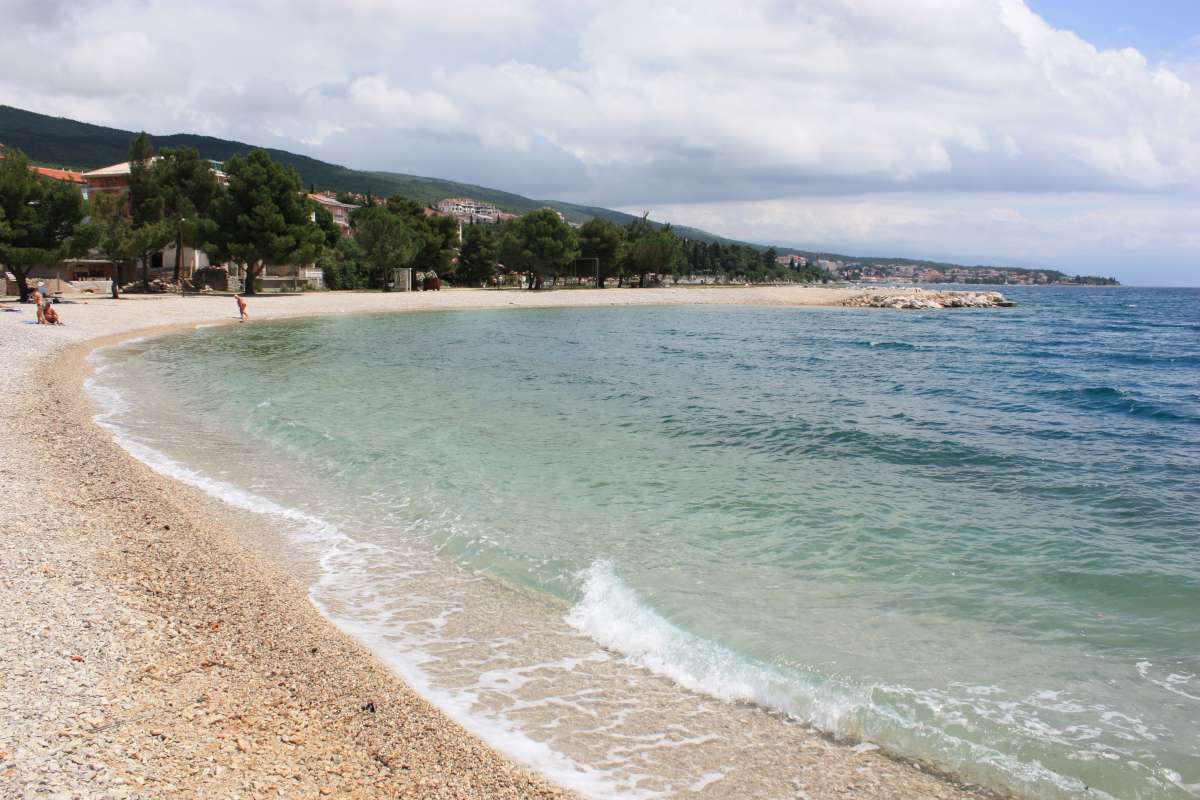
(921, 300)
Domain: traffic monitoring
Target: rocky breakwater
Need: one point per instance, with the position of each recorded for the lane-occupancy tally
(928, 299)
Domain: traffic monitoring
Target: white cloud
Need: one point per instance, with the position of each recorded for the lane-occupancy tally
(683, 105)
(389, 106)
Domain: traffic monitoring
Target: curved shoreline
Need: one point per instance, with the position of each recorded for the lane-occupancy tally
(182, 662)
(204, 669)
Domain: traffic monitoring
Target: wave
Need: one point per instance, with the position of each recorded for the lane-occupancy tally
(1110, 399)
(610, 613)
(1149, 357)
(1173, 682)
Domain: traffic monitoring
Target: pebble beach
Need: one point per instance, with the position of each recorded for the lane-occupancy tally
(152, 648)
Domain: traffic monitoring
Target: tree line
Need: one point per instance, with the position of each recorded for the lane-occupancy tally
(538, 246)
(262, 216)
(541, 245)
(39, 219)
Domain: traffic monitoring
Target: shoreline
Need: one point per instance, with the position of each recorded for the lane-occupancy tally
(181, 662)
(163, 653)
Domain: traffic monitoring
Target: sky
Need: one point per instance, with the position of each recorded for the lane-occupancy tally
(1157, 28)
(1055, 133)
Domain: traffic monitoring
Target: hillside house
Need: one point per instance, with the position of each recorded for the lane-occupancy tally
(115, 179)
(338, 210)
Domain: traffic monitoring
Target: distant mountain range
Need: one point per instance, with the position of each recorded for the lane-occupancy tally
(61, 142)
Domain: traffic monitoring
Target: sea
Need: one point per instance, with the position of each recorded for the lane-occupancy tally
(649, 550)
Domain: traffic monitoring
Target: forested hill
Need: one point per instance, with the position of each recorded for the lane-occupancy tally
(60, 142)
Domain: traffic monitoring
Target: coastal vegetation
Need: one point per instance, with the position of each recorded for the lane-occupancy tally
(263, 217)
(715, 258)
(113, 229)
(649, 251)
(384, 239)
(40, 220)
(188, 188)
(538, 244)
(479, 255)
(149, 230)
(436, 235)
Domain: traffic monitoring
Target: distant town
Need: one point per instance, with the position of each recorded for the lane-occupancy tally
(877, 271)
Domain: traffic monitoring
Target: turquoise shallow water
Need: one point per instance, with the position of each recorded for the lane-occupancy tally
(970, 537)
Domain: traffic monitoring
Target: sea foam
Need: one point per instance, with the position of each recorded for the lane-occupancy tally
(611, 613)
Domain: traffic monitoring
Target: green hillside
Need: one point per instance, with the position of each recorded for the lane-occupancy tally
(60, 142)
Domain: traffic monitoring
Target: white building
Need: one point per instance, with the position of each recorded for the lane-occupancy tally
(467, 210)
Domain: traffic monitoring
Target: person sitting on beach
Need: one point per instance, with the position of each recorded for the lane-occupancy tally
(241, 307)
(50, 315)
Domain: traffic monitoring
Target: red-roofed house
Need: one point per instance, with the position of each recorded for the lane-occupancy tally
(65, 175)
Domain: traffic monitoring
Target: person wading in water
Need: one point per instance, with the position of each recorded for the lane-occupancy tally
(41, 309)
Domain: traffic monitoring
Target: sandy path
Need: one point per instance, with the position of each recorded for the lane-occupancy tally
(146, 651)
